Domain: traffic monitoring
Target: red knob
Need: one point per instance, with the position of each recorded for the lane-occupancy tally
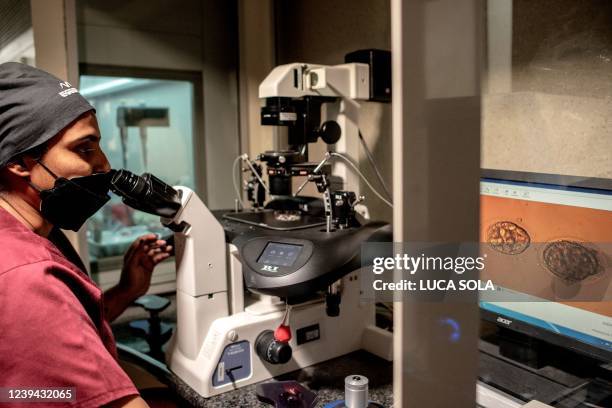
(282, 334)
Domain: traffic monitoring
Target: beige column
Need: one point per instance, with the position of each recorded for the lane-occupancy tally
(436, 48)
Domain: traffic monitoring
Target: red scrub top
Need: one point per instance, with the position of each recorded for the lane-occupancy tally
(52, 327)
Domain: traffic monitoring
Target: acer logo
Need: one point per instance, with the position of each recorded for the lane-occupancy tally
(507, 322)
(269, 268)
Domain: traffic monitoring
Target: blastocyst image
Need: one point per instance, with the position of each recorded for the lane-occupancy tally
(571, 261)
(508, 238)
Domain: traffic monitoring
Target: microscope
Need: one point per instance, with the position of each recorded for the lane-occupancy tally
(270, 289)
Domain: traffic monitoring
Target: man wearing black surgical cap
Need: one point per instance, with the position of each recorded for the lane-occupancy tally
(53, 174)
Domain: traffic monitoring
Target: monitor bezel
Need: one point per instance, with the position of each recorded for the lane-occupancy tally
(587, 183)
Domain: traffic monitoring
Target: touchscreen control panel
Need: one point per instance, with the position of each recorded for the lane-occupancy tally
(279, 254)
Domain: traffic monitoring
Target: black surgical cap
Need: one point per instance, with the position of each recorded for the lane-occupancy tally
(34, 107)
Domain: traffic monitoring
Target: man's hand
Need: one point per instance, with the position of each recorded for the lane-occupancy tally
(138, 264)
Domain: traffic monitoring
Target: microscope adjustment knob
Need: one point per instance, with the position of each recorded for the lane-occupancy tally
(330, 132)
(271, 350)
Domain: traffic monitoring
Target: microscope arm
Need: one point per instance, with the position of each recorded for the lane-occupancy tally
(201, 273)
(350, 80)
(200, 247)
(199, 237)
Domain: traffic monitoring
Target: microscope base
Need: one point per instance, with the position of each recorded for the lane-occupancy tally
(227, 359)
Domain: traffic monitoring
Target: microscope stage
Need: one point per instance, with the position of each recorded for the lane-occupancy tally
(276, 219)
(298, 261)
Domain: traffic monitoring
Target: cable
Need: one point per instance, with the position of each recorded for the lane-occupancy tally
(374, 166)
(315, 171)
(234, 179)
(255, 173)
(354, 167)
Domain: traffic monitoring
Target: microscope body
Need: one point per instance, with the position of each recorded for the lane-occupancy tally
(237, 272)
(314, 102)
(221, 318)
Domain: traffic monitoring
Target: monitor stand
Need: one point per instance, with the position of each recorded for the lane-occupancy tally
(528, 369)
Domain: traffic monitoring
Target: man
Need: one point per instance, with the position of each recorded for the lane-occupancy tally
(54, 329)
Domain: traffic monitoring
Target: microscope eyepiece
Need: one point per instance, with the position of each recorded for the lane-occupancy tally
(127, 184)
(146, 193)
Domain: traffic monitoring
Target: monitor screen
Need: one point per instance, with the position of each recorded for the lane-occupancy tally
(571, 299)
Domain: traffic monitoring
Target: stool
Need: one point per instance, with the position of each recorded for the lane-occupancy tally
(153, 330)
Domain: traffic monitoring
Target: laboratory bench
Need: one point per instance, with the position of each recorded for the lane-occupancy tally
(326, 379)
(519, 382)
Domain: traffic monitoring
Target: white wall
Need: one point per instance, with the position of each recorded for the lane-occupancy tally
(257, 59)
(549, 87)
(153, 34)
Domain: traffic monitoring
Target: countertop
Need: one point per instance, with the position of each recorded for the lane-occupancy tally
(326, 379)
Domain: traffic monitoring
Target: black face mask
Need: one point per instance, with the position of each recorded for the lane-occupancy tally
(72, 201)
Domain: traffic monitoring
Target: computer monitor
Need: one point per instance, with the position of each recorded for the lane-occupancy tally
(567, 212)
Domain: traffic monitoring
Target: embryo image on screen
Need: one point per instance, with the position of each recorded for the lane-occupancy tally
(550, 243)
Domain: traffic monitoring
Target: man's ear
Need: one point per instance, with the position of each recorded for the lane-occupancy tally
(18, 168)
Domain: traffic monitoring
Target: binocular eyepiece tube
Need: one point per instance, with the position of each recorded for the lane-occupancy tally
(146, 193)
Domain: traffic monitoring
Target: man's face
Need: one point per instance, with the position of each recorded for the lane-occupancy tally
(74, 152)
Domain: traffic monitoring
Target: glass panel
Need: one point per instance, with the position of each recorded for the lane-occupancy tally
(146, 126)
(547, 93)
